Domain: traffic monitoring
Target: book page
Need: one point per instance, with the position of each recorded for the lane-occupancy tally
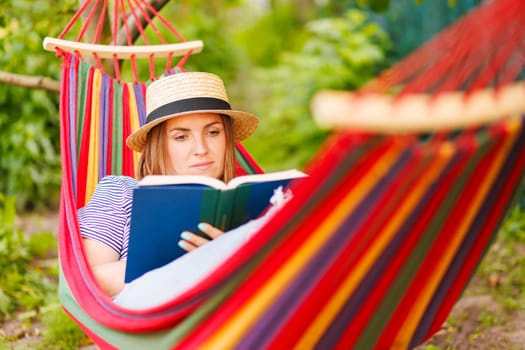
(278, 175)
(157, 180)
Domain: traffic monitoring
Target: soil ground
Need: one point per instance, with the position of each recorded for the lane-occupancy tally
(480, 322)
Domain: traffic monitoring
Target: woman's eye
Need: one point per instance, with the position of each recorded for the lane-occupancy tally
(214, 132)
(180, 137)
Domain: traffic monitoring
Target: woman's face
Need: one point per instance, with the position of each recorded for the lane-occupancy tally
(196, 144)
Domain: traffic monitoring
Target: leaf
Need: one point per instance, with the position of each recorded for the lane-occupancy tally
(8, 211)
(375, 5)
(5, 303)
(379, 5)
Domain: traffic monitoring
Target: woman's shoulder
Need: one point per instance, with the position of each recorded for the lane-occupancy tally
(118, 180)
(116, 186)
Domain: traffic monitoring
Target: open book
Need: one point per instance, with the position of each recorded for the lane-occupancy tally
(166, 205)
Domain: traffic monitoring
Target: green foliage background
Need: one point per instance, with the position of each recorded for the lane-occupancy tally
(338, 53)
(29, 142)
(22, 286)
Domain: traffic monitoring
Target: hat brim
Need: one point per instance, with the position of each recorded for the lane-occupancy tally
(243, 123)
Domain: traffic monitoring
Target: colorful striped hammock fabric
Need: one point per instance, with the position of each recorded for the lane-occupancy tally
(372, 252)
(377, 244)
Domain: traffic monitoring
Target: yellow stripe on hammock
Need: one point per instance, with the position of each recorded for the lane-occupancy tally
(427, 291)
(134, 122)
(93, 156)
(240, 322)
(320, 324)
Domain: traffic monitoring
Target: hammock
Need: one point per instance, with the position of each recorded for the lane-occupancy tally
(375, 247)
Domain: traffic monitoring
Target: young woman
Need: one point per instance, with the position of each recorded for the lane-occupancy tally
(190, 129)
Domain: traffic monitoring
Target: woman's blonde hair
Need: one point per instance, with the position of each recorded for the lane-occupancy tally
(154, 159)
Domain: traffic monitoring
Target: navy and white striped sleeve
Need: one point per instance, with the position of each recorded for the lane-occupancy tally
(106, 217)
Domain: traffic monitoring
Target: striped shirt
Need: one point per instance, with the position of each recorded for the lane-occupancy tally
(106, 217)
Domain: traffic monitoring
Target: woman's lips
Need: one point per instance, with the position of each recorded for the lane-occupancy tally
(202, 165)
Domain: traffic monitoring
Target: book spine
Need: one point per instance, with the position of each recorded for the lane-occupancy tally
(224, 210)
(208, 211)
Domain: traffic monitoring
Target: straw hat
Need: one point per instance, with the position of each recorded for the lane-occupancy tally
(186, 93)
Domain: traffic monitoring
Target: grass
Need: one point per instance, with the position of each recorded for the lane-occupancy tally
(61, 331)
(28, 292)
(25, 282)
(503, 268)
(500, 277)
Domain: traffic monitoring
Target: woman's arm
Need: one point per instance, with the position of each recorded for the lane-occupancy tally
(109, 271)
(104, 226)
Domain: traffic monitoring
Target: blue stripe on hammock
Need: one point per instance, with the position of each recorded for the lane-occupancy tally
(71, 72)
(104, 126)
(141, 104)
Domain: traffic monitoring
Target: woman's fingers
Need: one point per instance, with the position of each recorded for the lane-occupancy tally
(210, 230)
(190, 241)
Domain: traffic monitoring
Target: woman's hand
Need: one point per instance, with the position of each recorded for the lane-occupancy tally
(190, 241)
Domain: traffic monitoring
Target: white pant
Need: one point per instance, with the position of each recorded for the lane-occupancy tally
(171, 280)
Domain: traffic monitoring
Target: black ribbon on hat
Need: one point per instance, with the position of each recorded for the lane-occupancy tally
(188, 105)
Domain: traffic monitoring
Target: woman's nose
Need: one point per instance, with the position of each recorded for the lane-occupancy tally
(201, 147)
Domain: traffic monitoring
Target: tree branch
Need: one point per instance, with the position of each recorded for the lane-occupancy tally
(27, 81)
(36, 82)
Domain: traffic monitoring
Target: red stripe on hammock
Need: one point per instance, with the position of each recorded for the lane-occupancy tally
(127, 157)
(239, 170)
(83, 157)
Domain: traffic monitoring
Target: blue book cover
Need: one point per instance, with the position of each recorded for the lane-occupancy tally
(165, 206)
